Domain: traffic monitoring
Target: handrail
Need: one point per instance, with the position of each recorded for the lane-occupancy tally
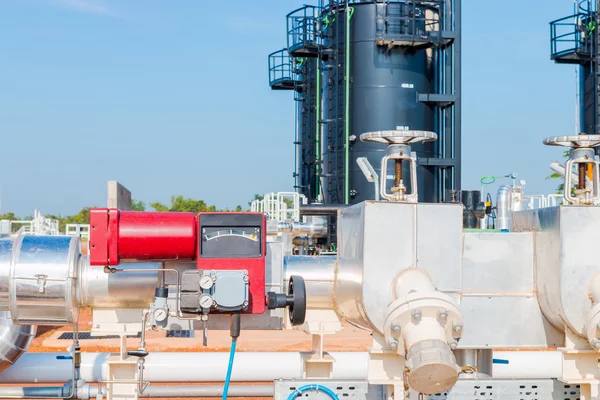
(568, 35)
(280, 67)
(301, 27)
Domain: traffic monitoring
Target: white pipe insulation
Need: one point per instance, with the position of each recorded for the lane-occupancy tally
(183, 367)
(527, 364)
(251, 367)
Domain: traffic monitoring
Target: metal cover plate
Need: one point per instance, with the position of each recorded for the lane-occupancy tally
(542, 389)
(355, 390)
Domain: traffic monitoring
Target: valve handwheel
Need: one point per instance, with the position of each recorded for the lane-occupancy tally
(576, 142)
(398, 137)
(295, 300)
(399, 151)
(583, 157)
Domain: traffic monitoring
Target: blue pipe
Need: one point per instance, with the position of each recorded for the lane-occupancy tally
(305, 388)
(229, 368)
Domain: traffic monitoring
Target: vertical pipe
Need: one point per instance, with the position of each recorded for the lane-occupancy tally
(347, 110)
(458, 91)
(318, 131)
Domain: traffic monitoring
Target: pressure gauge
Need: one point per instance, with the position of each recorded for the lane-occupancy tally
(206, 282)
(160, 314)
(206, 301)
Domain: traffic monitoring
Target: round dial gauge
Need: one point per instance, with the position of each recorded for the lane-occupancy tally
(206, 282)
(206, 301)
(160, 314)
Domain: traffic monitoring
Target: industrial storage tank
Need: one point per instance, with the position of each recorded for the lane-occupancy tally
(364, 66)
(384, 86)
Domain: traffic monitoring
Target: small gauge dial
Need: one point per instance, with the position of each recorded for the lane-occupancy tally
(160, 314)
(206, 282)
(206, 301)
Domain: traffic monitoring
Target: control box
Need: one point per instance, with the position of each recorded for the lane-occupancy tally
(235, 242)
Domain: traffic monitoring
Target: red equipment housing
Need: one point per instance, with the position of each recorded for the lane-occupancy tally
(117, 236)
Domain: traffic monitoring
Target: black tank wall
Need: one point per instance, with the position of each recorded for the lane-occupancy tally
(384, 86)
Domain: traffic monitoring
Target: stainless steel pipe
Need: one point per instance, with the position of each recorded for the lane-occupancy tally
(504, 207)
(14, 340)
(326, 210)
(98, 289)
(318, 274)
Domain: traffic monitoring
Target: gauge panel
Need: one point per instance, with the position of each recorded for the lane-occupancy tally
(230, 242)
(235, 242)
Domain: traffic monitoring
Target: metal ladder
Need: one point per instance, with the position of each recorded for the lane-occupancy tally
(596, 61)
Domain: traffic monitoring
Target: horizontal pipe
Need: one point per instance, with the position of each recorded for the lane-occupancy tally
(31, 392)
(527, 364)
(330, 210)
(183, 367)
(318, 274)
(99, 289)
(251, 367)
(179, 391)
(208, 391)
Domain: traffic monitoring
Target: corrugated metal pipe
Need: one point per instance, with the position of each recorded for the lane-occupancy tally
(14, 340)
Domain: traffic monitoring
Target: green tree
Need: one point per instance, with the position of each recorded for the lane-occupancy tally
(138, 205)
(256, 197)
(9, 216)
(238, 209)
(181, 204)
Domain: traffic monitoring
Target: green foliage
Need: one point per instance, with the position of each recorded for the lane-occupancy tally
(9, 216)
(256, 197)
(138, 205)
(181, 204)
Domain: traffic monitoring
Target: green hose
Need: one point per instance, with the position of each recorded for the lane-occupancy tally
(349, 13)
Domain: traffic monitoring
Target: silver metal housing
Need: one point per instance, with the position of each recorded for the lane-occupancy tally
(41, 283)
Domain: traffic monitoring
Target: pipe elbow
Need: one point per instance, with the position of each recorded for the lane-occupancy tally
(14, 340)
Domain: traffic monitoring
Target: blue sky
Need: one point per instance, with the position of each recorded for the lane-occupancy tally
(171, 97)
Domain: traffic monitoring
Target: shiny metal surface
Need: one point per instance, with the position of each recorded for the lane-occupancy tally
(14, 340)
(566, 260)
(377, 240)
(98, 289)
(318, 274)
(503, 207)
(6, 256)
(41, 285)
(480, 360)
(499, 303)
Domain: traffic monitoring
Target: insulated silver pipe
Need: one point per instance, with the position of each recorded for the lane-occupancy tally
(503, 207)
(318, 274)
(316, 227)
(98, 289)
(14, 340)
(321, 209)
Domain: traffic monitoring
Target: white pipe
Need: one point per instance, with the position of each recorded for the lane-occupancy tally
(183, 367)
(527, 364)
(251, 367)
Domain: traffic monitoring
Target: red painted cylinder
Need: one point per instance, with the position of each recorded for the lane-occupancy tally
(157, 235)
(126, 235)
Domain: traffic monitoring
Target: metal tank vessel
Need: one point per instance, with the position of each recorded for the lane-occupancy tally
(380, 66)
(574, 41)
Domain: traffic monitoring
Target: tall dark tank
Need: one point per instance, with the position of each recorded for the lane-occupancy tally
(364, 66)
(574, 40)
(384, 87)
